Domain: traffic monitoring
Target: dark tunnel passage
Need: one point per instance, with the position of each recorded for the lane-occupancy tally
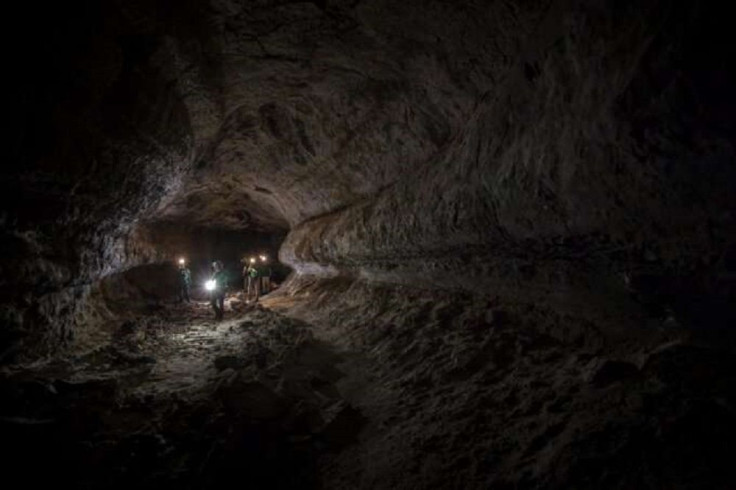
(495, 245)
(200, 247)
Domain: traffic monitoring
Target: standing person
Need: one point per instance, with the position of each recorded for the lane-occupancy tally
(253, 279)
(265, 271)
(216, 286)
(185, 281)
(246, 277)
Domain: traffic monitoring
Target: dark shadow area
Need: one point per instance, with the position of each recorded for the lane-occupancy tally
(256, 402)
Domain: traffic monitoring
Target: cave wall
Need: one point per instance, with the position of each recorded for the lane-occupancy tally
(568, 151)
(220, 113)
(604, 155)
(100, 136)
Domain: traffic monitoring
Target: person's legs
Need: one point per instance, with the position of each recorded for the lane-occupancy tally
(220, 307)
(213, 303)
(253, 288)
(185, 291)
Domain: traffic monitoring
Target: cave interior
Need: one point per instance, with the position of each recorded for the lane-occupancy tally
(502, 238)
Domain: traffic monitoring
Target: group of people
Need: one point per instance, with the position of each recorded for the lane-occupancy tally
(256, 277)
(256, 281)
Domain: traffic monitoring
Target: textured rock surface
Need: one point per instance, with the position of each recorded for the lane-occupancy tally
(463, 392)
(167, 405)
(395, 141)
(524, 207)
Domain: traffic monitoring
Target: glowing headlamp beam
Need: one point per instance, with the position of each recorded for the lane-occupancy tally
(210, 285)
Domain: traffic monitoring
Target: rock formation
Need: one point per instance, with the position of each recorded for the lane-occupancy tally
(514, 223)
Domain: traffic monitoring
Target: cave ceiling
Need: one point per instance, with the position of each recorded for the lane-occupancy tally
(299, 108)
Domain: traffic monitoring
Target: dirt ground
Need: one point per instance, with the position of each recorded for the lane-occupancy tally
(180, 400)
(370, 387)
(463, 391)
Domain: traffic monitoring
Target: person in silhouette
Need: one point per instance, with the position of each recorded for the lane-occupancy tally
(185, 281)
(244, 274)
(265, 273)
(216, 286)
(254, 286)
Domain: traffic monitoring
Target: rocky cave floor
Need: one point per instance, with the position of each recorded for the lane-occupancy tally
(415, 391)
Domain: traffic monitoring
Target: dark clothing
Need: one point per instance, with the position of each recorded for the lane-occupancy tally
(220, 277)
(266, 284)
(217, 295)
(253, 288)
(185, 280)
(185, 276)
(184, 293)
(265, 275)
(218, 304)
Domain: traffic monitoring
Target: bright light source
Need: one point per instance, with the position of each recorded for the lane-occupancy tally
(263, 258)
(210, 285)
(252, 260)
(182, 261)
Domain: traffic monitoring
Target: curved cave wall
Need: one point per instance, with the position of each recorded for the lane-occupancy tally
(417, 164)
(571, 166)
(521, 146)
